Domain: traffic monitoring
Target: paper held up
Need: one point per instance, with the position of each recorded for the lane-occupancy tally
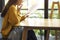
(33, 8)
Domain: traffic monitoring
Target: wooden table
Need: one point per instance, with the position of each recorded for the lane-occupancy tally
(46, 24)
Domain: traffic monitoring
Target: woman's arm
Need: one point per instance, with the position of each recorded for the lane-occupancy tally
(14, 16)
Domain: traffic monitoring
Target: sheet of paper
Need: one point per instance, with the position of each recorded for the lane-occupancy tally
(33, 7)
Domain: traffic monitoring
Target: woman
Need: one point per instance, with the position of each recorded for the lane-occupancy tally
(11, 19)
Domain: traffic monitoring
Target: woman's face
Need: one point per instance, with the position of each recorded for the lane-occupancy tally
(19, 2)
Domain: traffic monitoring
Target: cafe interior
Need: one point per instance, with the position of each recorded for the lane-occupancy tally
(43, 19)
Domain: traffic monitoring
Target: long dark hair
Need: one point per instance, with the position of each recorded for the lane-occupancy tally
(10, 2)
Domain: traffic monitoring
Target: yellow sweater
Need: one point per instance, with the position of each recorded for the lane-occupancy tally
(12, 18)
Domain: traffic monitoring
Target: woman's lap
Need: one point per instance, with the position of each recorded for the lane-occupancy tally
(16, 34)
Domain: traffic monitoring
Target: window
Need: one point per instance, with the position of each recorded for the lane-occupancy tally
(6, 2)
(55, 12)
(35, 5)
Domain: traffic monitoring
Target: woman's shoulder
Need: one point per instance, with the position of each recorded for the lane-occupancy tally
(12, 7)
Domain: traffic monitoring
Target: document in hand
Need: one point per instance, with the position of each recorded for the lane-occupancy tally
(33, 8)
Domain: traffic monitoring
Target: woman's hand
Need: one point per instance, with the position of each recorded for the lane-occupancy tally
(26, 15)
(23, 17)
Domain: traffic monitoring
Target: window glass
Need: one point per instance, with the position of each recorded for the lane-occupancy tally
(55, 11)
(35, 8)
(6, 2)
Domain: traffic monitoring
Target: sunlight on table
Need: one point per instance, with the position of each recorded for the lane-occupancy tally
(41, 22)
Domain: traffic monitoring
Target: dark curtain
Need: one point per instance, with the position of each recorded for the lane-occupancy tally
(2, 3)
